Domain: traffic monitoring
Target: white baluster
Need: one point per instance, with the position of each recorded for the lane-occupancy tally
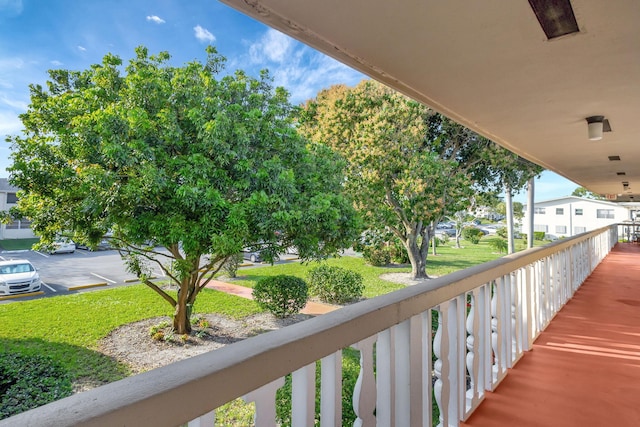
(402, 373)
(265, 401)
(384, 378)
(473, 356)
(207, 420)
(303, 396)
(331, 390)
(438, 387)
(364, 392)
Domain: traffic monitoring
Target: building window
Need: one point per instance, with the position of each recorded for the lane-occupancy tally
(540, 228)
(12, 198)
(605, 213)
(578, 212)
(561, 229)
(19, 225)
(538, 211)
(559, 211)
(578, 230)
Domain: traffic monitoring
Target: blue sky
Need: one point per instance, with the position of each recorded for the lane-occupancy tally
(38, 35)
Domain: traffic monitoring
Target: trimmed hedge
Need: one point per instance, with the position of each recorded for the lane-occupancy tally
(27, 382)
(335, 285)
(282, 295)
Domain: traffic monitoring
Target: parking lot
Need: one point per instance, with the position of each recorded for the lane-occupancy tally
(80, 271)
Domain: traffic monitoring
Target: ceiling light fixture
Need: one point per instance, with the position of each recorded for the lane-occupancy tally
(597, 125)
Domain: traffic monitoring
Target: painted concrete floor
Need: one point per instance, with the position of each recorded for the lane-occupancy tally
(584, 369)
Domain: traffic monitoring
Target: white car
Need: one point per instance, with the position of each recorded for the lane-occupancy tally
(63, 246)
(18, 276)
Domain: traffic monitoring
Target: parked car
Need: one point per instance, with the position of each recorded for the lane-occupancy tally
(102, 245)
(63, 246)
(18, 276)
(255, 256)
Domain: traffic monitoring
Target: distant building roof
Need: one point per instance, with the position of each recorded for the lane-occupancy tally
(576, 198)
(6, 187)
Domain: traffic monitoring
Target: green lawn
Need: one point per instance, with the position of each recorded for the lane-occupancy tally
(17, 244)
(68, 328)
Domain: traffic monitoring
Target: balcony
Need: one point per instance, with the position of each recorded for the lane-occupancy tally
(548, 336)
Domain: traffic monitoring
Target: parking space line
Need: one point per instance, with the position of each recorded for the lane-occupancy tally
(41, 254)
(48, 287)
(103, 278)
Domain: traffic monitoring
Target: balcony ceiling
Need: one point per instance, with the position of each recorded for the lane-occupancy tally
(490, 66)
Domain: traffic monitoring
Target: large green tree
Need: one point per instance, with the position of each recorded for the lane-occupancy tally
(401, 179)
(180, 157)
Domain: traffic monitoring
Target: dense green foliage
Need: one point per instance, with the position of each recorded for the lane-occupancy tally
(498, 244)
(282, 295)
(177, 156)
(472, 234)
(334, 284)
(539, 235)
(29, 381)
(376, 256)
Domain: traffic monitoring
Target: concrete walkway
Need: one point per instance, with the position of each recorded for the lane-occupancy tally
(584, 369)
(313, 308)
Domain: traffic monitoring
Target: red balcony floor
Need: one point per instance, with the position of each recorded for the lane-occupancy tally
(584, 369)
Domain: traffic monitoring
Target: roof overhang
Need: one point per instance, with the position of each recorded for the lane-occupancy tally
(490, 66)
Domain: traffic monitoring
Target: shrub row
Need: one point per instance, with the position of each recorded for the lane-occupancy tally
(286, 295)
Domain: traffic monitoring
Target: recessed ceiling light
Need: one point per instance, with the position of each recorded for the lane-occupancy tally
(614, 158)
(555, 17)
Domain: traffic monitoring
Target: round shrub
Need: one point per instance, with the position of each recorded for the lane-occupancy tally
(334, 284)
(231, 265)
(472, 234)
(27, 382)
(399, 253)
(282, 295)
(377, 257)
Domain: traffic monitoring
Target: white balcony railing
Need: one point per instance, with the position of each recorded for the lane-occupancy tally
(487, 316)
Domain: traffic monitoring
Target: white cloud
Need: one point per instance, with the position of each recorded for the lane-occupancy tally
(9, 123)
(16, 104)
(82, 48)
(11, 63)
(56, 63)
(273, 46)
(156, 19)
(203, 34)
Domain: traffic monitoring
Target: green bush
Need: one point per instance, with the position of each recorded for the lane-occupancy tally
(334, 284)
(538, 235)
(27, 382)
(502, 232)
(498, 244)
(377, 257)
(398, 253)
(472, 234)
(282, 295)
(231, 265)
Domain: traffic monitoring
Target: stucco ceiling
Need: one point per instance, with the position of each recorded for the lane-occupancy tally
(488, 65)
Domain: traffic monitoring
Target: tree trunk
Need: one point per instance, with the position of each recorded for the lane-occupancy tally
(416, 257)
(182, 313)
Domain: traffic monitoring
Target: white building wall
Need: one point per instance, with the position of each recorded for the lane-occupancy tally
(569, 216)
